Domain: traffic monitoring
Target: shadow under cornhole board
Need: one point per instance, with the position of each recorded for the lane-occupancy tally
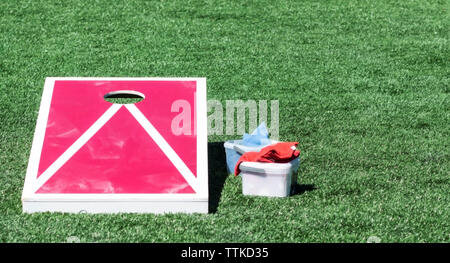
(90, 155)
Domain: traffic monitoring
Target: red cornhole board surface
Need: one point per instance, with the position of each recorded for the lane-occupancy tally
(91, 155)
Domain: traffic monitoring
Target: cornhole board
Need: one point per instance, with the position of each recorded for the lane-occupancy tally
(90, 155)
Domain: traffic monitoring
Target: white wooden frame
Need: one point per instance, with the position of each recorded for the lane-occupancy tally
(118, 203)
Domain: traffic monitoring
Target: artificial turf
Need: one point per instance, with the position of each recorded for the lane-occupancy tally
(362, 85)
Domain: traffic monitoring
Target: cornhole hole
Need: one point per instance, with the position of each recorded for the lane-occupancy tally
(91, 155)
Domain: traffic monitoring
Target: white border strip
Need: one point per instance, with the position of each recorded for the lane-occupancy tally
(83, 139)
(202, 137)
(117, 197)
(126, 79)
(131, 206)
(164, 146)
(38, 139)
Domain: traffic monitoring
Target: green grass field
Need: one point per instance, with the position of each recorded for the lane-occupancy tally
(362, 85)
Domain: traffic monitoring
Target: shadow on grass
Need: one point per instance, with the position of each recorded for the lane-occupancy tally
(302, 188)
(217, 173)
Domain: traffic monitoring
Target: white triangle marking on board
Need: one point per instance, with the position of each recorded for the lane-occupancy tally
(164, 146)
(98, 124)
(82, 140)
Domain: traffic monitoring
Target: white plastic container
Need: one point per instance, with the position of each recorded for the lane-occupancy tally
(269, 179)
